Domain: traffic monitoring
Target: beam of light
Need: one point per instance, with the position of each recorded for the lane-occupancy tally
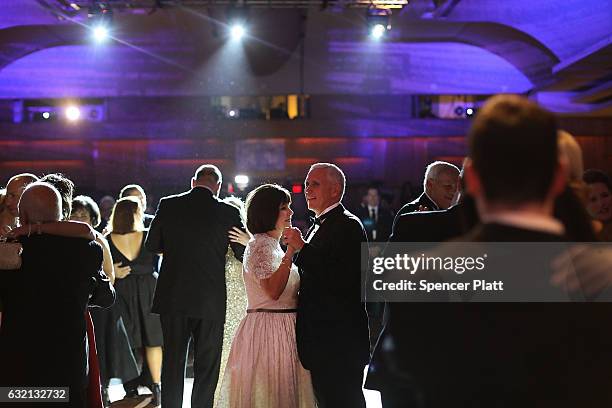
(73, 113)
(132, 46)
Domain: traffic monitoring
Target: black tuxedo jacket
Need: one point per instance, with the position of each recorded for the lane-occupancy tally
(382, 224)
(435, 226)
(422, 200)
(43, 340)
(190, 230)
(504, 354)
(332, 325)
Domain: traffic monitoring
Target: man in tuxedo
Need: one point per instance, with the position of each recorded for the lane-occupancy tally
(506, 354)
(332, 325)
(191, 231)
(439, 188)
(376, 220)
(43, 340)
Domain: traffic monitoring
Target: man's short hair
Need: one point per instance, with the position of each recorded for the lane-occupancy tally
(513, 147)
(65, 187)
(208, 172)
(334, 174)
(125, 191)
(435, 169)
(40, 202)
(28, 178)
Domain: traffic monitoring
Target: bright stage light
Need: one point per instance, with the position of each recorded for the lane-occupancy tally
(46, 115)
(73, 113)
(379, 22)
(241, 179)
(237, 31)
(378, 30)
(100, 34)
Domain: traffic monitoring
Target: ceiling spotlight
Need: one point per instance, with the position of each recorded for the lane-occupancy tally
(100, 20)
(469, 112)
(378, 20)
(100, 33)
(237, 21)
(73, 113)
(237, 31)
(46, 115)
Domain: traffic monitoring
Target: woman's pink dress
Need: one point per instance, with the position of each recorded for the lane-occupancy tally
(263, 369)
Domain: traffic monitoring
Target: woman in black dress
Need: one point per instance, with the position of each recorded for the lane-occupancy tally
(135, 284)
(113, 347)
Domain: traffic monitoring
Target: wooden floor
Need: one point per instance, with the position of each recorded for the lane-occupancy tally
(116, 394)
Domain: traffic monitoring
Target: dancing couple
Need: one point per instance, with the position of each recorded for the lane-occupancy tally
(304, 340)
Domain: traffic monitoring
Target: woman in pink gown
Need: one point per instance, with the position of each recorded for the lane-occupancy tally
(263, 369)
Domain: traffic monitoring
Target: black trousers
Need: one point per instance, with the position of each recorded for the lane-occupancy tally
(207, 339)
(338, 385)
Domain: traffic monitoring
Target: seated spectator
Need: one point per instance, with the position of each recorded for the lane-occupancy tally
(43, 338)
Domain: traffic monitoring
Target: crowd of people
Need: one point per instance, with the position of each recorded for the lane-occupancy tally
(275, 315)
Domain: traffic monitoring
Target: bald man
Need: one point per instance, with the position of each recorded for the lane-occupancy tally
(43, 336)
(14, 189)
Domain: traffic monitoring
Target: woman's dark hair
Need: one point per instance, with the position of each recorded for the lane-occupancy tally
(65, 187)
(123, 217)
(262, 207)
(86, 203)
(593, 176)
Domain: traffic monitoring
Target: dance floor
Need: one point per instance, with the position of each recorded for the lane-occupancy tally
(116, 393)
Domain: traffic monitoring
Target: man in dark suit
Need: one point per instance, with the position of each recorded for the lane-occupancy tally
(439, 187)
(376, 219)
(332, 326)
(191, 231)
(506, 354)
(43, 339)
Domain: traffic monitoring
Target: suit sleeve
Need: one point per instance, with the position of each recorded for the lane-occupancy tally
(154, 241)
(102, 292)
(341, 256)
(238, 248)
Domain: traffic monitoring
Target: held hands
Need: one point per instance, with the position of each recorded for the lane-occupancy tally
(292, 237)
(121, 271)
(239, 236)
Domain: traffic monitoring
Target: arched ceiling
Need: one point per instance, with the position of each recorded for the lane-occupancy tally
(560, 50)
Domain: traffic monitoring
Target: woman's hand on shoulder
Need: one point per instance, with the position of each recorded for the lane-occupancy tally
(239, 236)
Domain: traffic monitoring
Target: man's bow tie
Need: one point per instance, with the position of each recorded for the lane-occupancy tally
(315, 221)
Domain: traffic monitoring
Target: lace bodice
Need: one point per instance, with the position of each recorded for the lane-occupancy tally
(262, 257)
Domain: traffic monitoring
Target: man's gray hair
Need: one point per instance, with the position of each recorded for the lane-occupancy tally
(334, 174)
(209, 173)
(40, 202)
(435, 169)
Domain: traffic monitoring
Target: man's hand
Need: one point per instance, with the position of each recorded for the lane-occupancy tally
(121, 271)
(292, 237)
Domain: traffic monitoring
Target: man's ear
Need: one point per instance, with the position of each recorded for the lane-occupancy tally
(193, 181)
(218, 187)
(472, 179)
